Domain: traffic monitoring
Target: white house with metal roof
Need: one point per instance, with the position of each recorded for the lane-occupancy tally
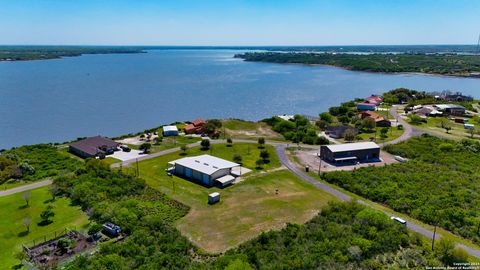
(205, 169)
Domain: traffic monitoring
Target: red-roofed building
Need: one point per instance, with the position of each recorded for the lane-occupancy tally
(373, 100)
(195, 127)
(380, 121)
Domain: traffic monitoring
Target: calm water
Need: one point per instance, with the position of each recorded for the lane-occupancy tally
(60, 100)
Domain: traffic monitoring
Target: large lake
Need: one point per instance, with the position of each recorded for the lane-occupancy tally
(60, 100)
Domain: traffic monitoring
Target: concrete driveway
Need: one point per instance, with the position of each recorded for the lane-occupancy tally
(124, 156)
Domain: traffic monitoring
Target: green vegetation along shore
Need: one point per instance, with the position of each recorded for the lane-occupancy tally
(24, 53)
(444, 64)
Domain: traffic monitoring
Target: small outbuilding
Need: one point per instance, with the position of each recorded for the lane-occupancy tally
(213, 197)
(350, 152)
(111, 229)
(170, 131)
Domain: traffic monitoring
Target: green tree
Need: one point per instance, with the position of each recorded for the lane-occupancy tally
(327, 117)
(349, 135)
(383, 133)
(26, 197)
(321, 124)
(27, 221)
(264, 155)
(322, 140)
(261, 142)
(259, 163)
(63, 244)
(229, 142)
(368, 123)
(46, 214)
(184, 149)
(238, 265)
(94, 228)
(446, 124)
(205, 144)
(145, 147)
(415, 119)
(237, 158)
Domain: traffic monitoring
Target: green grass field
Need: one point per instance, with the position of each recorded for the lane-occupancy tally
(392, 134)
(169, 142)
(13, 211)
(246, 209)
(110, 160)
(458, 132)
(240, 129)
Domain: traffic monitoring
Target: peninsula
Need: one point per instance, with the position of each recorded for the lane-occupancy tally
(442, 64)
(25, 53)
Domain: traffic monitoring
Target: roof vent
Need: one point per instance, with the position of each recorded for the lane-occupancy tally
(215, 167)
(206, 164)
(198, 161)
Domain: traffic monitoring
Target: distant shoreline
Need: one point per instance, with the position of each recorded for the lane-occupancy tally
(15, 54)
(363, 63)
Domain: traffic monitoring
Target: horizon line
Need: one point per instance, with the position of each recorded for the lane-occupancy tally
(206, 46)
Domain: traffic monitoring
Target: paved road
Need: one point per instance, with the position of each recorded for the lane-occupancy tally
(25, 188)
(280, 150)
(171, 150)
(407, 134)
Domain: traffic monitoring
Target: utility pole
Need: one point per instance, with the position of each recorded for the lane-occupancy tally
(319, 161)
(434, 233)
(138, 171)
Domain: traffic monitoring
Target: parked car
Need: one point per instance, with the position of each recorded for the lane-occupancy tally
(399, 220)
(125, 148)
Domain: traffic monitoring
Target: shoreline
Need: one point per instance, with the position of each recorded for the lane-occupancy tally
(373, 72)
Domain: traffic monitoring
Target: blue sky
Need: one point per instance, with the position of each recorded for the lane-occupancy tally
(241, 22)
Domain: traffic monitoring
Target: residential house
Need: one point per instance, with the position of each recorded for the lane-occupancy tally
(196, 127)
(373, 99)
(92, 147)
(380, 121)
(339, 131)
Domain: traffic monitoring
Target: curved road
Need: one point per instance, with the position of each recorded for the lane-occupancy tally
(280, 150)
(407, 134)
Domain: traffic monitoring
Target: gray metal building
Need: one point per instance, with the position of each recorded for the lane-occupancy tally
(205, 169)
(350, 152)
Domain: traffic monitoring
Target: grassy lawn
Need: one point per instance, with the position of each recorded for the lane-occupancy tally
(169, 142)
(240, 129)
(392, 134)
(110, 160)
(458, 132)
(12, 230)
(246, 209)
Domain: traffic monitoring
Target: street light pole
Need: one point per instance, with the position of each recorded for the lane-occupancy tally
(319, 161)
